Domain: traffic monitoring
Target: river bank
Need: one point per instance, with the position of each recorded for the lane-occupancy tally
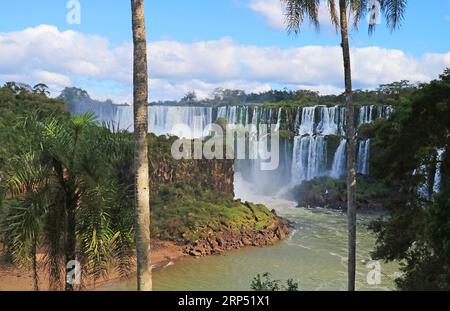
(13, 278)
(314, 254)
(164, 254)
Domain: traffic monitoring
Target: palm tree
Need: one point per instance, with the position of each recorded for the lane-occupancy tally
(141, 165)
(69, 195)
(28, 183)
(296, 11)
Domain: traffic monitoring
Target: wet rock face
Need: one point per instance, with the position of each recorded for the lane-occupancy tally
(227, 239)
(216, 175)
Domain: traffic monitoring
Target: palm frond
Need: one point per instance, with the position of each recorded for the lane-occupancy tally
(297, 10)
(358, 9)
(394, 11)
(332, 8)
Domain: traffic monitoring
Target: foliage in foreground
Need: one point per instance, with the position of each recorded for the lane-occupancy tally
(66, 199)
(66, 191)
(411, 146)
(265, 283)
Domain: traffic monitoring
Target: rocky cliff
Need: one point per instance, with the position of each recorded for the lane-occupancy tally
(213, 175)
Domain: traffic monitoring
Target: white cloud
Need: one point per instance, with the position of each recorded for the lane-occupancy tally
(161, 88)
(45, 54)
(447, 18)
(323, 89)
(51, 78)
(272, 10)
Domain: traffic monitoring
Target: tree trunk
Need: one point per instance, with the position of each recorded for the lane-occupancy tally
(35, 265)
(70, 247)
(142, 184)
(70, 205)
(351, 149)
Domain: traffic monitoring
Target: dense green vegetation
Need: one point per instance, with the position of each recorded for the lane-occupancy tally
(332, 193)
(404, 160)
(50, 161)
(183, 213)
(66, 190)
(417, 231)
(265, 283)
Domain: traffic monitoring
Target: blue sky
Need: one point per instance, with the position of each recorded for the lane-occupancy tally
(179, 28)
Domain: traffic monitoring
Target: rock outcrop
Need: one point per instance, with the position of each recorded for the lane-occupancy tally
(226, 239)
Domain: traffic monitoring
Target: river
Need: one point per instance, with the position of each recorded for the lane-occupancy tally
(314, 255)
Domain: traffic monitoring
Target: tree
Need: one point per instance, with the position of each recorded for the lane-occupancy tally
(190, 97)
(67, 197)
(141, 165)
(267, 284)
(41, 88)
(408, 144)
(296, 11)
(27, 183)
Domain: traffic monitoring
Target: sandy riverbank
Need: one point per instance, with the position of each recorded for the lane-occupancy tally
(18, 279)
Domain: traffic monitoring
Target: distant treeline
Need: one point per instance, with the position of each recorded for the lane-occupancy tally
(384, 94)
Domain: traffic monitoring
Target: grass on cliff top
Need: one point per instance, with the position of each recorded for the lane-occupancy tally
(181, 213)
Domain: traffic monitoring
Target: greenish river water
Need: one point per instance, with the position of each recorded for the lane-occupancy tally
(314, 255)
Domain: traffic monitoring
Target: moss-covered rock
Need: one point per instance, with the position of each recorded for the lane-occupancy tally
(182, 213)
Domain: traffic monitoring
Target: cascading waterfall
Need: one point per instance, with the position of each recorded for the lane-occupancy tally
(303, 158)
(328, 122)
(363, 157)
(167, 120)
(307, 121)
(339, 161)
(309, 159)
(437, 177)
(366, 114)
(278, 125)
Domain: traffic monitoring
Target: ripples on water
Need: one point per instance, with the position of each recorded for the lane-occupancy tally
(314, 255)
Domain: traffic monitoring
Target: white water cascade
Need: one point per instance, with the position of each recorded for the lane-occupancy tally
(304, 157)
(307, 121)
(437, 177)
(185, 122)
(339, 161)
(309, 158)
(363, 157)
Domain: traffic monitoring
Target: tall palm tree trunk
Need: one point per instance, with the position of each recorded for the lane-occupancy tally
(142, 185)
(351, 148)
(35, 265)
(70, 243)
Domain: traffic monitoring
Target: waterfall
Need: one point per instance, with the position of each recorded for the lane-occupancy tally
(277, 127)
(123, 119)
(339, 161)
(328, 121)
(165, 120)
(437, 177)
(309, 160)
(367, 114)
(342, 120)
(303, 157)
(307, 121)
(363, 157)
